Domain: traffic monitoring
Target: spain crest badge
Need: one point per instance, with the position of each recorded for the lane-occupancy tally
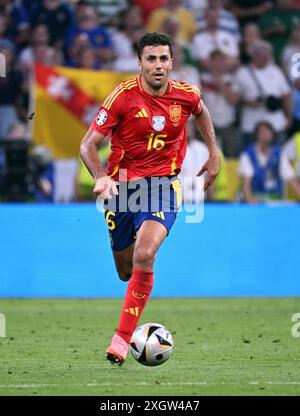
(175, 113)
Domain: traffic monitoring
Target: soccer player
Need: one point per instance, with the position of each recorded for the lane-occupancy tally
(146, 117)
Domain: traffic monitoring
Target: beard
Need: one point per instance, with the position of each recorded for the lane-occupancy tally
(157, 86)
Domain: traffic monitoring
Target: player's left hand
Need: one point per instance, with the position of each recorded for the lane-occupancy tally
(211, 166)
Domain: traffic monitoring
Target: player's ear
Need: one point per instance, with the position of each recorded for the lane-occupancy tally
(139, 64)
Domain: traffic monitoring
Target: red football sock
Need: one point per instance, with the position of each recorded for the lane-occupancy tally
(137, 294)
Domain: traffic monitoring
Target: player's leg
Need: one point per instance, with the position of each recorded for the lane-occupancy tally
(122, 238)
(149, 238)
(124, 262)
(153, 227)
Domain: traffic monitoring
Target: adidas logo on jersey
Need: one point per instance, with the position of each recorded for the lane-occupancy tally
(142, 113)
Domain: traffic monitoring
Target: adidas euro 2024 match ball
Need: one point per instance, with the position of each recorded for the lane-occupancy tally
(151, 344)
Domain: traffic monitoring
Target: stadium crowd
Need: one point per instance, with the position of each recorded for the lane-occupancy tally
(242, 54)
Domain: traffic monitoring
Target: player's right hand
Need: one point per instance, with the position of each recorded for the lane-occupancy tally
(105, 187)
(211, 167)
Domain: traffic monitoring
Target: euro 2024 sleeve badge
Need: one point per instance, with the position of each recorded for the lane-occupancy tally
(101, 118)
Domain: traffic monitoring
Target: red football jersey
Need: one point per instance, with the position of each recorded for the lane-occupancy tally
(148, 132)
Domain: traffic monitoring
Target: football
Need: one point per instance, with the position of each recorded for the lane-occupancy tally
(151, 344)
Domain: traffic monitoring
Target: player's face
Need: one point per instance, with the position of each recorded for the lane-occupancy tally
(156, 64)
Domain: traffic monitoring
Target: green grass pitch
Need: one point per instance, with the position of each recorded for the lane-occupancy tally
(238, 346)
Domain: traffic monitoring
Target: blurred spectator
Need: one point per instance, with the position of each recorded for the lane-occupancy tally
(291, 159)
(19, 131)
(196, 155)
(292, 47)
(39, 51)
(186, 19)
(109, 11)
(182, 71)
(31, 5)
(265, 94)
(47, 56)
(250, 10)
(27, 171)
(79, 7)
(3, 27)
(291, 69)
(57, 16)
(195, 6)
(214, 38)
(296, 4)
(87, 22)
(11, 91)
(65, 171)
(220, 94)
(148, 6)
(226, 19)
(42, 170)
(79, 43)
(15, 183)
(171, 26)
(125, 40)
(251, 34)
(259, 167)
(295, 127)
(17, 28)
(277, 23)
(88, 59)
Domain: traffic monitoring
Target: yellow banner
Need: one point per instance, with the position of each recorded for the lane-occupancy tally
(65, 102)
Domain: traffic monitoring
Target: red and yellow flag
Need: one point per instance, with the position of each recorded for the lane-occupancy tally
(66, 101)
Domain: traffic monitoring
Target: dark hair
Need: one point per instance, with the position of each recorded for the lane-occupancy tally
(265, 124)
(154, 39)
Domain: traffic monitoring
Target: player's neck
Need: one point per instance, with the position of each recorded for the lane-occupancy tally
(157, 93)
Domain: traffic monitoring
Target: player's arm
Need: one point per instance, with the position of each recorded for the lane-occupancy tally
(104, 185)
(207, 131)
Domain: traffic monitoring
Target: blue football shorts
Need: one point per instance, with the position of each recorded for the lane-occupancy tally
(156, 199)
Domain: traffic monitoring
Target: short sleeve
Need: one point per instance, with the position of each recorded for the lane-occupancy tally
(197, 102)
(109, 114)
(245, 168)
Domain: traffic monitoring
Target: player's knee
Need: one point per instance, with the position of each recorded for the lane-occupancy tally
(143, 255)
